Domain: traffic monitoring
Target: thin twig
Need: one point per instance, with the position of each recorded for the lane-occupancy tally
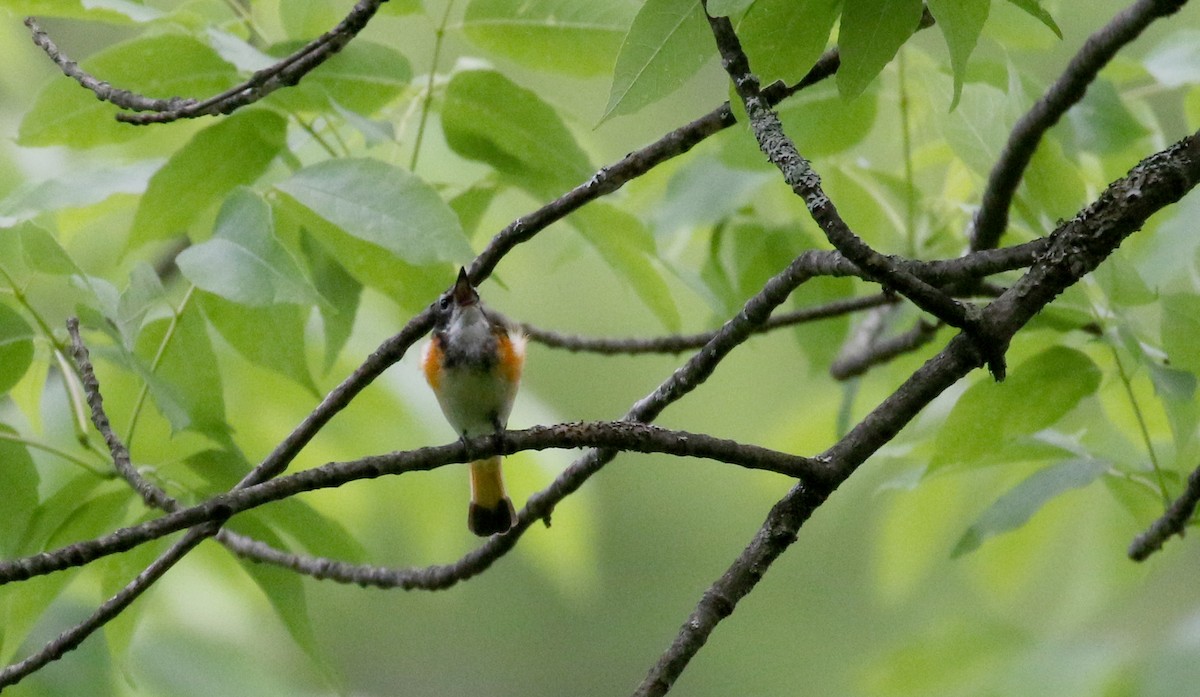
(617, 435)
(1067, 90)
(1172, 522)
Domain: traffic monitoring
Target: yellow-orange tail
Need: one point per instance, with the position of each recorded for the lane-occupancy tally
(491, 510)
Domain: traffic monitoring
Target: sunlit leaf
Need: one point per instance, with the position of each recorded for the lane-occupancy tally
(1035, 10)
(990, 415)
(269, 335)
(576, 37)
(871, 33)
(960, 22)
(667, 44)
(44, 253)
(489, 118)
(382, 204)
(1101, 122)
(19, 482)
(16, 347)
(1020, 503)
(363, 77)
(244, 262)
(73, 189)
(784, 38)
(231, 152)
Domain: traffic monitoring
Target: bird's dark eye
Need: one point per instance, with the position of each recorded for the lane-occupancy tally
(444, 303)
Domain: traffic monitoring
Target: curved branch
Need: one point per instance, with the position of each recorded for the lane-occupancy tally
(285, 72)
(615, 435)
(1067, 90)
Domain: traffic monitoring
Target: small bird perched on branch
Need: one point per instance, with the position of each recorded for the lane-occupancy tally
(473, 363)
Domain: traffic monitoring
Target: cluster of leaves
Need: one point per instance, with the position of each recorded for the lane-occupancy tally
(260, 234)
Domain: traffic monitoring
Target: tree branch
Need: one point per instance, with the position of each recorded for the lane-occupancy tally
(1074, 249)
(1172, 522)
(284, 73)
(1067, 90)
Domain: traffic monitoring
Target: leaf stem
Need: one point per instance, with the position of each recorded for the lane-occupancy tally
(438, 35)
(176, 313)
(46, 447)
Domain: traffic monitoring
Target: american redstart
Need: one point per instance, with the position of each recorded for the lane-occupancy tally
(473, 363)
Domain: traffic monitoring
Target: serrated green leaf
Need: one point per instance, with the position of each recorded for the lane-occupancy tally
(960, 22)
(628, 247)
(784, 38)
(989, 416)
(74, 189)
(186, 386)
(871, 33)
(163, 66)
(668, 42)
(381, 204)
(1035, 10)
(1019, 504)
(231, 152)
(19, 482)
(340, 291)
(16, 347)
(244, 262)
(575, 37)
(271, 335)
(489, 118)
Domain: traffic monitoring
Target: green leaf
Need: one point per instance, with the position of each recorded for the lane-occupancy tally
(628, 247)
(871, 33)
(961, 22)
(1034, 9)
(1181, 331)
(363, 77)
(575, 37)
(43, 253)
(233, 151)
(1020, 503)
(303, 19)
(19, 482)
(110, 11)
(667, 44)
(186, 386)
(340, 291)
(989, 416)
(784, 38)
(143, 297)
(244, 262)
(489, 118)
(977, 129)
(1175, 60)
(1101, 122)
(271, 336)
(382, 204)
(728, 8)
(16, 347)
(74, 189)
(1053, 182)
(161, 66)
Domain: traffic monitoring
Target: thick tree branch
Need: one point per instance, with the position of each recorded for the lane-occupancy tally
(1067, 90)
(1074, 249)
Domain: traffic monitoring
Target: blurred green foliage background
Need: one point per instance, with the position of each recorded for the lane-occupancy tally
(981, 553)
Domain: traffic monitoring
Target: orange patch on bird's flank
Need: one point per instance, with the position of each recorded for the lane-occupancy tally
(431, 363)
(512, 356)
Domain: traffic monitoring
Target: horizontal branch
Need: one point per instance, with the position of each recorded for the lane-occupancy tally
(616, 435)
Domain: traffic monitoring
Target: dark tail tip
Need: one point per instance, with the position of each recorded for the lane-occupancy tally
(491, 521)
